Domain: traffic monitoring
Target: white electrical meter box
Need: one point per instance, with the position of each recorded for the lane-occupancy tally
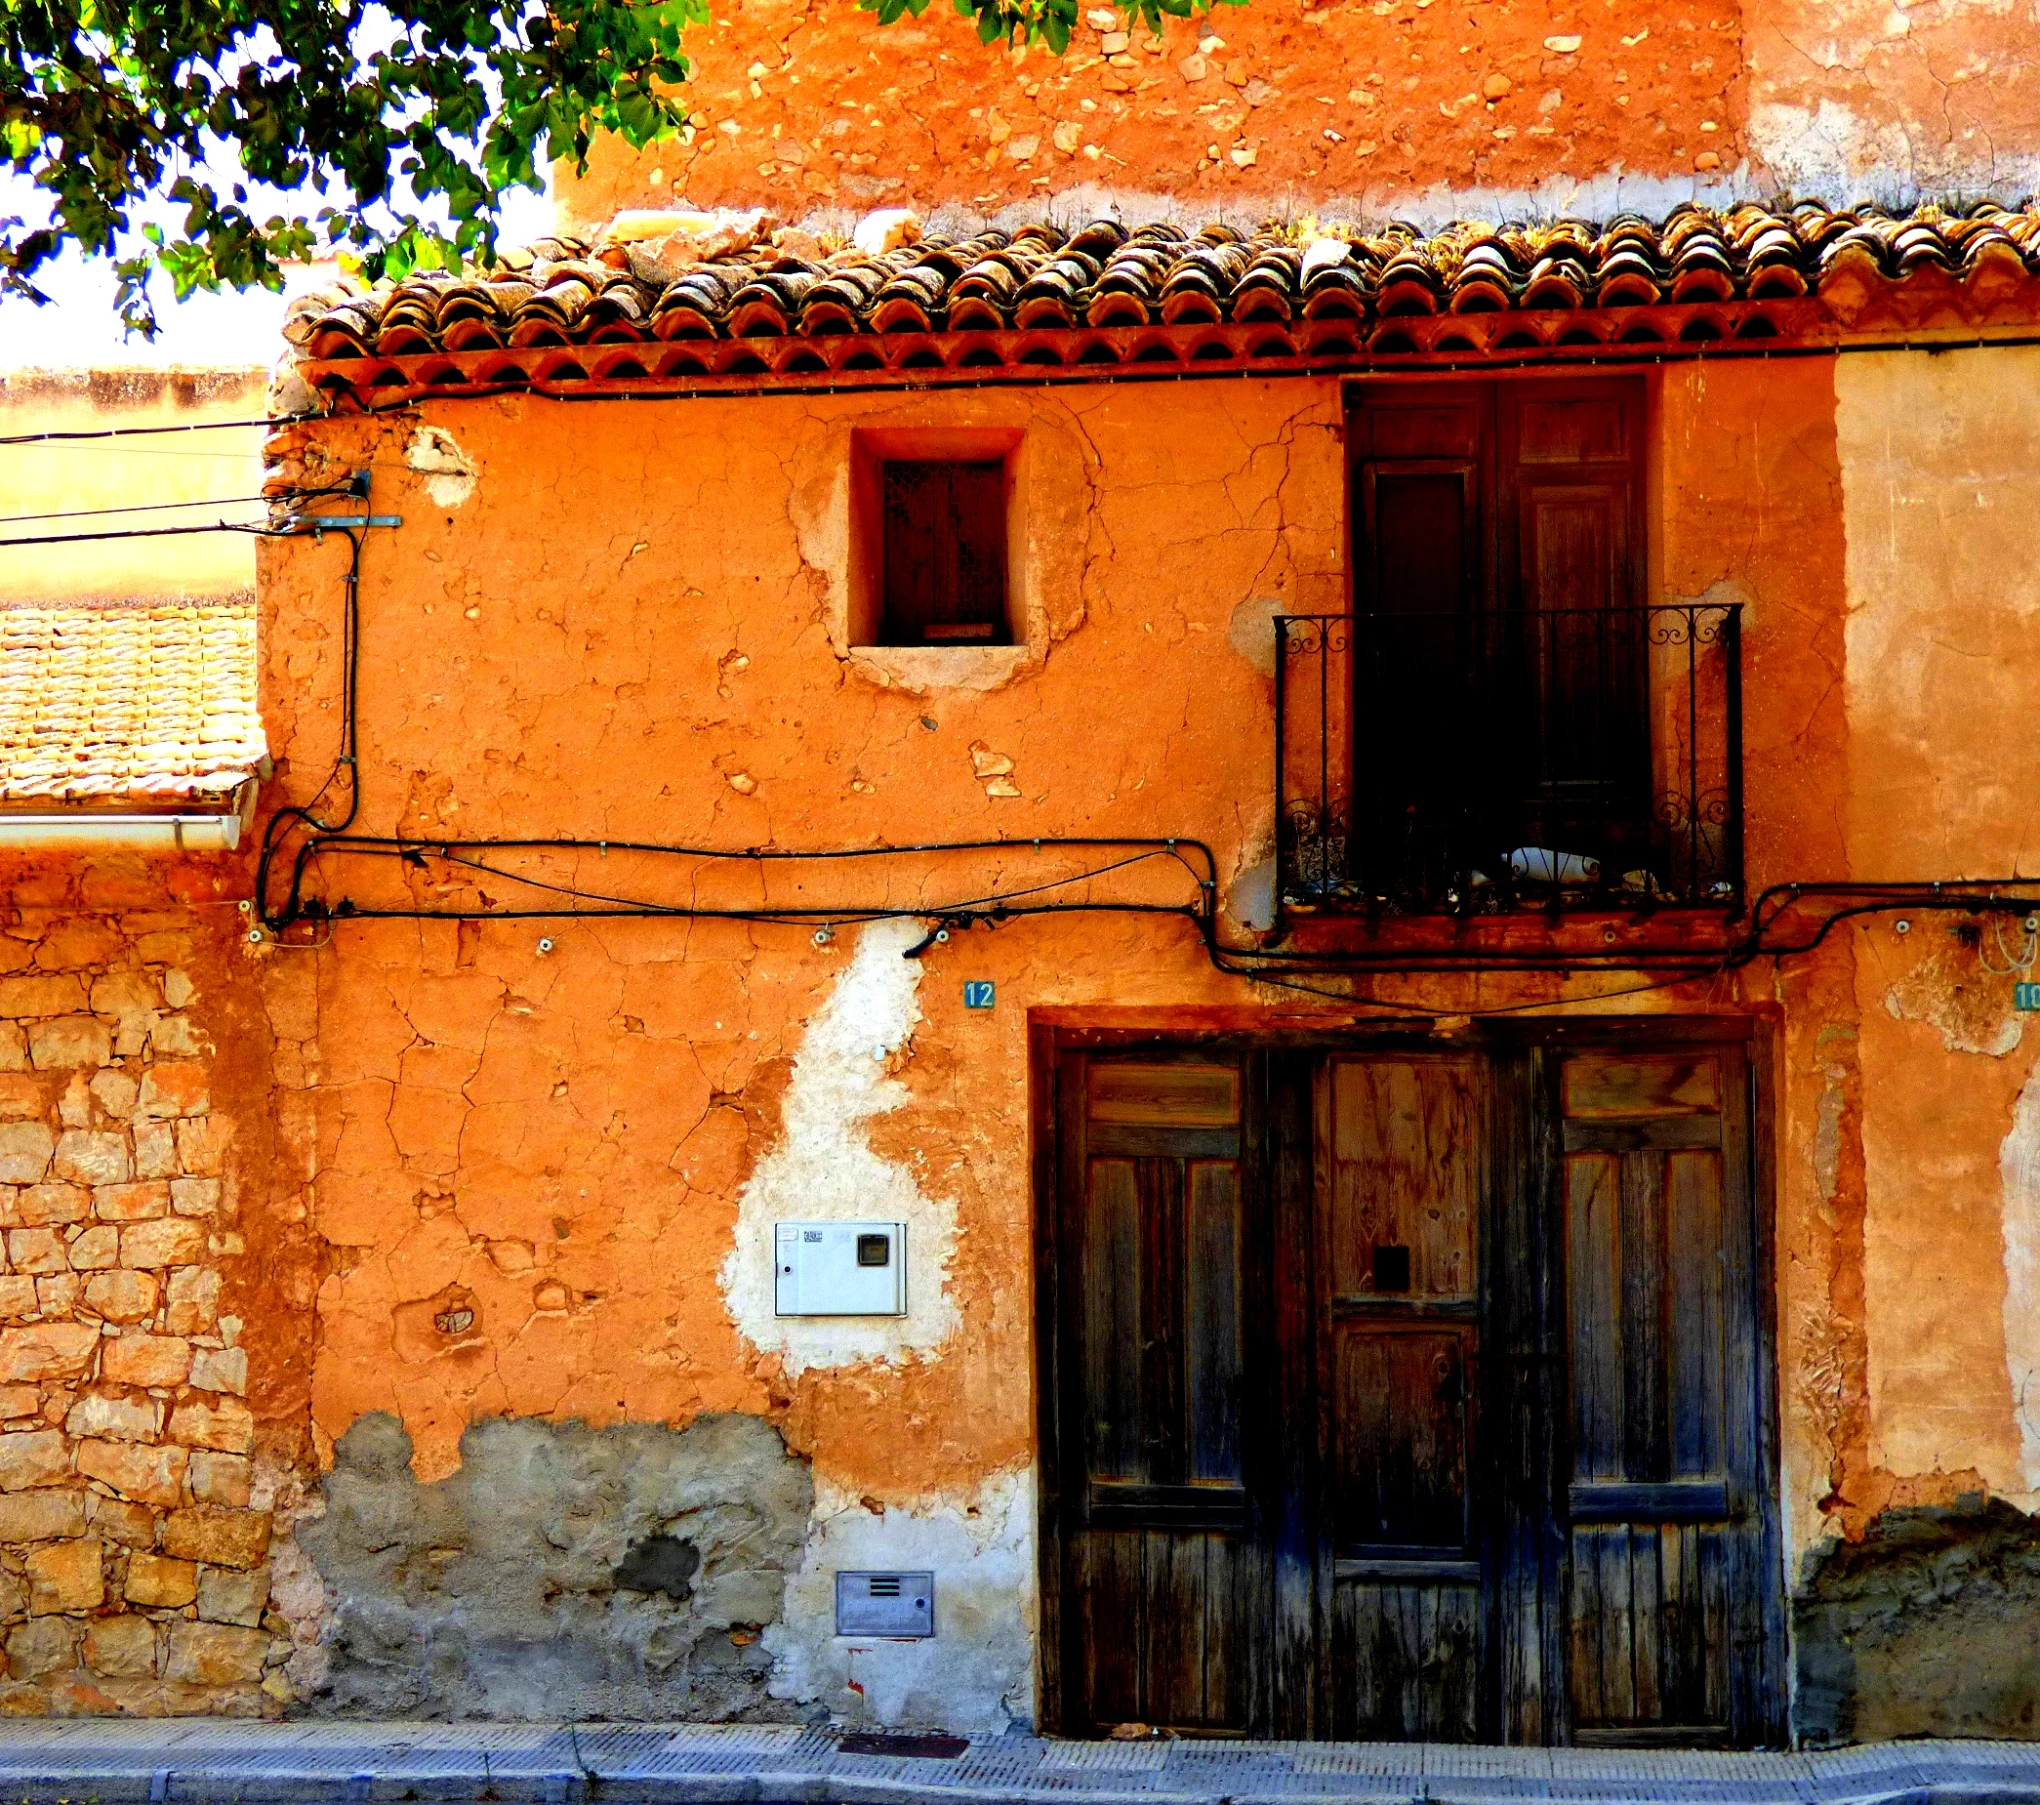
(840, 1269)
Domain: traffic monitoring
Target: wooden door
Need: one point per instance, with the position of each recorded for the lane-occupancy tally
(1401, 1175)
(1669, 1542)
(1165, 1598)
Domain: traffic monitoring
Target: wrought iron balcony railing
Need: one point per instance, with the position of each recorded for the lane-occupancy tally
(1513, 759)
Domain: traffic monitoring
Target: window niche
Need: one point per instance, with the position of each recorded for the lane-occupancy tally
(936, 540)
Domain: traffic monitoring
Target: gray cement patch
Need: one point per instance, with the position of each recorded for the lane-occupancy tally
(1930, 1626)
(564, 1571)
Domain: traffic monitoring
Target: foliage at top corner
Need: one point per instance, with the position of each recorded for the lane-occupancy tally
(386, 132)
(1050, 22)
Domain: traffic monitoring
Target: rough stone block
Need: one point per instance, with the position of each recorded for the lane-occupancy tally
(21, 1098)
(114, 1091)
(13, 1597)
(10, 1206)
(142, 1201)
(174, 1241)
(221, 1538)
(152, 1475)
(117, 1520)
(37, 1250)
(155, 1150)
(178, 989)
(66, 1576)
(228, 1596)
(46, 1350)
(160, 1582)
(44, 1645)
(92, 1156)
(215, 1654)
(41, 1516)
(19, 1401)
(74, 1104)
(13, 1048)
(96, 1248)
(193, 1305)
(20, 997)
(57, 1294)
(76, 942)
(222, 1479)
(228, 1425)
(220, 1369)
(52, 1205)
(202, 1146)
(33, 1457)
(177, 1037)
(25, 1149)
(68, 1042)
(123, 1647)
(173, 1090)
(145, 1360)
(121, 1295)
(125, 1418)
(17, 1295)
(195, 1196)
(131, 998)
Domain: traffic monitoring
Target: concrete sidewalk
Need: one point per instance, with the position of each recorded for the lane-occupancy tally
(209, 1759)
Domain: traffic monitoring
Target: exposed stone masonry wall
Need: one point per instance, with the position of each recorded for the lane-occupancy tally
(133, 1569)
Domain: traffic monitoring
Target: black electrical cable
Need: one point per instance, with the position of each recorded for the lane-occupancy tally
(1279, 967)
(163, 507)
(150, 432)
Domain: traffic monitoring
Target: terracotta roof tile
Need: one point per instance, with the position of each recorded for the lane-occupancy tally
(127, 703)
(570, 311)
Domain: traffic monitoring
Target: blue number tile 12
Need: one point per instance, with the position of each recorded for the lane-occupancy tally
(978, 993)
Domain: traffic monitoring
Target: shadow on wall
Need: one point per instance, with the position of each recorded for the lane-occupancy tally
(1930, 1626)
(563, 1572)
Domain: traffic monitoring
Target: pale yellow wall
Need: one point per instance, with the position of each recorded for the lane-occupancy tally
(63, 475)
(1943, 663)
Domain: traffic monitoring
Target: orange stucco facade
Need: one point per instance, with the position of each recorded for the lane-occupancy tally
(493, 1180)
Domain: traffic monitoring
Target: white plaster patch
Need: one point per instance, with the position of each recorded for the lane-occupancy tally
(976, 1674)
(449, 477)
(2019, 1171)
(823, 1170)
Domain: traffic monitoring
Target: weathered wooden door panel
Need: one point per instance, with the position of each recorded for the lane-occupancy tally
(1401, 1142)
(1165, 1587)
(1407, 1394)
(1666, 1522)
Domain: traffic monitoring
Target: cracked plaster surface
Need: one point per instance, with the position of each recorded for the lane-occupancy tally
(822, 1168)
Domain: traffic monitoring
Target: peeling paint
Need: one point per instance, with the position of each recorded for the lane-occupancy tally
(976, 1674)
(823, 1169)
(2019, 1166)
(434, 454)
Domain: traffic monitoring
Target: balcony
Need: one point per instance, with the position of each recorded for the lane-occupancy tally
(1510, 760)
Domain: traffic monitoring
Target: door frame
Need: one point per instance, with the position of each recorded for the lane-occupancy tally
(1531, 1668)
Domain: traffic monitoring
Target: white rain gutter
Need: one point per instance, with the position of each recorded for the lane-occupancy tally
(85, 830)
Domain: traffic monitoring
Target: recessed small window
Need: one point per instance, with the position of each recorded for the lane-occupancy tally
(944, 528)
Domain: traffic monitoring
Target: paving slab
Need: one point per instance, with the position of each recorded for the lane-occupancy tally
(210, 1761)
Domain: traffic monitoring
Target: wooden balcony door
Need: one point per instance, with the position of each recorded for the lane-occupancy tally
(1396, 1393)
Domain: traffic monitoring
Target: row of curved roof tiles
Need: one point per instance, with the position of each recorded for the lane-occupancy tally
(1106, 274)
(1153, 350)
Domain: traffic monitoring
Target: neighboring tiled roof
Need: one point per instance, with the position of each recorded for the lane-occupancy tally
(150, 703)
(1109, 294)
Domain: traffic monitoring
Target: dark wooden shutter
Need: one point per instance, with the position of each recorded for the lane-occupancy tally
(1165, 1600)
(1572, 491)
(1401, 1158)
(1667, 1520)
(945, 553)
(1422, 461)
